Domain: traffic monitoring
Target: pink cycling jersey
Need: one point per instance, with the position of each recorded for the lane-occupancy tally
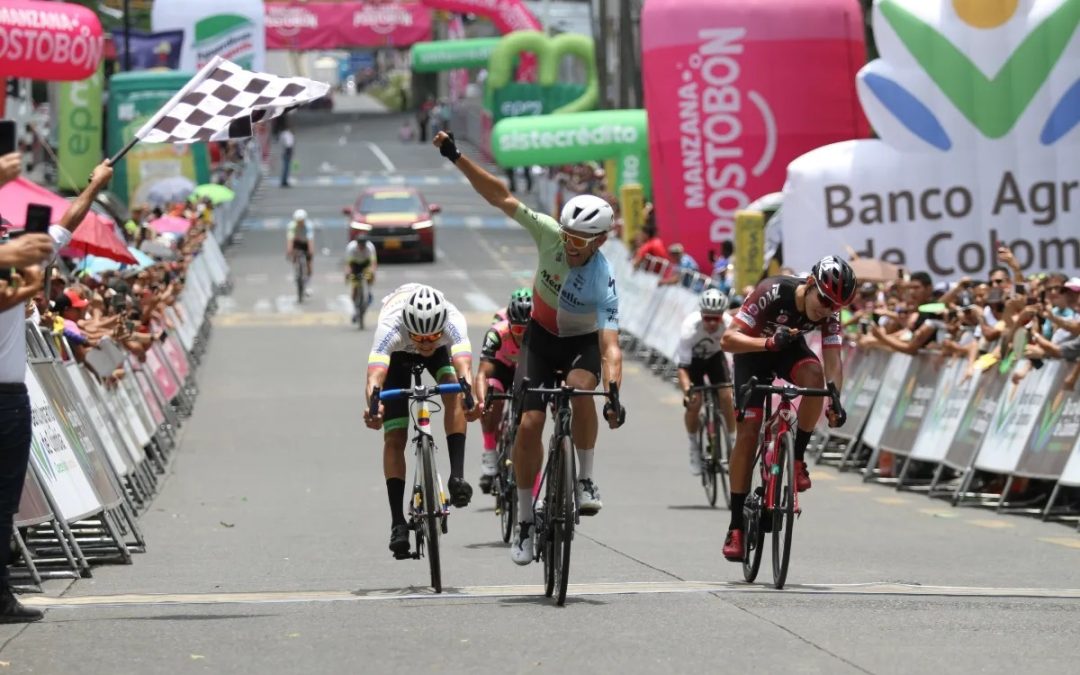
(499, 345)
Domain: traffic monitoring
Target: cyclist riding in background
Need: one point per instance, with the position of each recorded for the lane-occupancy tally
(300, 237)
(360, 259)
(699, 354)
(766, 338)
(498, 364)
(574, 329)
(418, 325)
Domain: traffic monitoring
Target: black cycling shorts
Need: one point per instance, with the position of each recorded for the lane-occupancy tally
(302, 245)
(716, 367)
(399, 376)
(542, 354)
(357, 268)
(503, 374)
(767, 366)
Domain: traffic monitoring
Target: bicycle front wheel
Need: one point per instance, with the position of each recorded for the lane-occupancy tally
(360, 302)
(505, 488)
(722, 456)
(431, 510)
(704, 440)
(754, 534)
(784, 514)
(562, 524)
(300, 271)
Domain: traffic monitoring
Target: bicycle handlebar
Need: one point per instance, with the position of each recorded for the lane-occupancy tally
(707, 387)
(787, 392)
(423, 393)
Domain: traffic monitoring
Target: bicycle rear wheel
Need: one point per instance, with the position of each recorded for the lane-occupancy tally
(708, 450)
(754, 535)
(784, 514)
(431, 510)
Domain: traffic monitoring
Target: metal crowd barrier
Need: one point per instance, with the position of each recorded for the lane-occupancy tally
(101, 445)
(945, 432)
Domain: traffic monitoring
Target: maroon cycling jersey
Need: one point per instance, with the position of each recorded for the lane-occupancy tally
(772, 304)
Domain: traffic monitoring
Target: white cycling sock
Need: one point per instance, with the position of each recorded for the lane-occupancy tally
(693, 442)
(525, 505)
(584, 460)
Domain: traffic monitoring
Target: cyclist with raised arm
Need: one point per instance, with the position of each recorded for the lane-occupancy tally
(360, 260)
(498, 364)
(300, 238)
(574, 329)
(699, 354)
(766, 338)
(417, 324)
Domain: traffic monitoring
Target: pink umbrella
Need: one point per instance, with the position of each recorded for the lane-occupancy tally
(97, 236)
(15, 195)
(173, 224)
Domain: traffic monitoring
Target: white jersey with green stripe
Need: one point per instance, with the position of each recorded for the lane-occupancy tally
(568, 301)
(391, 336)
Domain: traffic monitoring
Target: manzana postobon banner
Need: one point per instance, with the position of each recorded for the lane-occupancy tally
(150, 50)
(551, 140)
(52, 41)
(735, 90)
(976, 105)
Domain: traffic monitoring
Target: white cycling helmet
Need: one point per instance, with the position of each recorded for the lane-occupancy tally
(712, 301)
(588, 214)
(425, 312)
(299, 214)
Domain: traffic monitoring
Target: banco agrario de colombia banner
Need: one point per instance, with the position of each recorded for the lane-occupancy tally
(976, 103)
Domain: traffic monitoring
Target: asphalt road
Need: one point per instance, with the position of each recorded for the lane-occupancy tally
(267, 547)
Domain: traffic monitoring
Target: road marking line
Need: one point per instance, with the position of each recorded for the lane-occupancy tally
(852, 488)
(377, 151)
(255, 320)
(938, 513)
(575, 590)
(672, 400)
(891, 501)
(820, 475)
(1068, 542)
(991, 524)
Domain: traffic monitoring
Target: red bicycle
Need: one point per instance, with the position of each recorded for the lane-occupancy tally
(773, 502)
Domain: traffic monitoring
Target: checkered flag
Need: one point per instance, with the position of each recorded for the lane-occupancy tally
(223, 101)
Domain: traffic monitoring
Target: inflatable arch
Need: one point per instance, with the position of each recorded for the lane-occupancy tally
(433, 57)
(570, 138)
(556, 98)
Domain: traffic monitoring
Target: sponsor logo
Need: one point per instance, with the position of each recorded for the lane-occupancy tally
(583, 136)
(383, 19)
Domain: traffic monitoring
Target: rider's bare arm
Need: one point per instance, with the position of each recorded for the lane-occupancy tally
(485, 371)
(612, 356)
(833, 365)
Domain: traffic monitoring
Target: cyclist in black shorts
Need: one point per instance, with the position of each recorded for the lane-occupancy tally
(698, 355)
(766, 339)
(498, 365)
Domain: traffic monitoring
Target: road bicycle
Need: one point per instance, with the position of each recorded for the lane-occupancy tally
(772, 504)
(715, 444)
(555, 517)
(360, 284)
(503, 483)
(429, 508)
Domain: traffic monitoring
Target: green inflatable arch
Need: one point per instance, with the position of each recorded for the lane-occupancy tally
(550, 140)
(549, 53)
(433, 57)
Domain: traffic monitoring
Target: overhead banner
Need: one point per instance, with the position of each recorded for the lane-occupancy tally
(53, 41)
(976, 105)
(332, 25)
(233, 30)
(735, 90)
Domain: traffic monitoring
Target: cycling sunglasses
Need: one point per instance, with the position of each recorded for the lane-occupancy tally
(711, 318)
(577, 241)
(426, 339)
